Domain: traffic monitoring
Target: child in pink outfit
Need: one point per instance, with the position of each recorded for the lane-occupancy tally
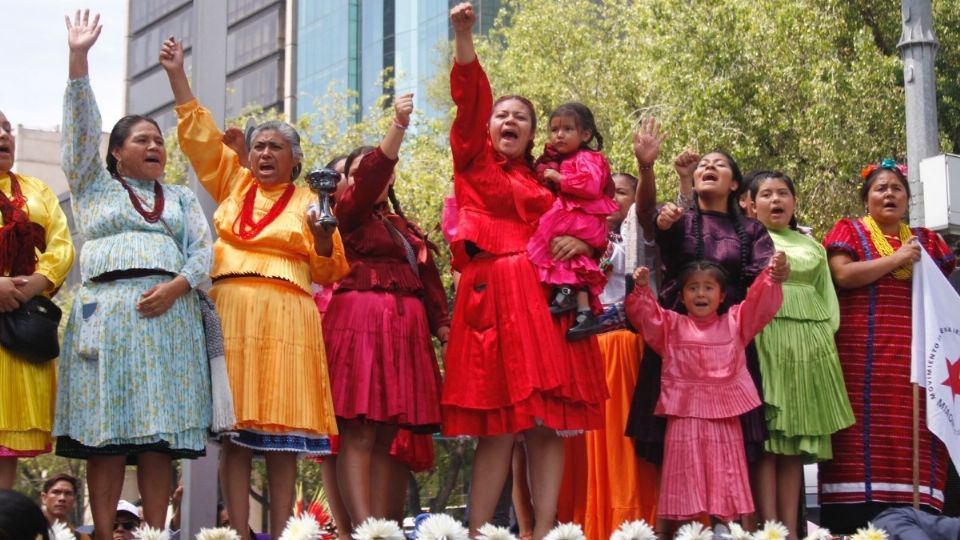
(705, 385)
(581, 178)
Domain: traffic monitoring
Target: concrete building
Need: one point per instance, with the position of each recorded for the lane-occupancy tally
(255, 54)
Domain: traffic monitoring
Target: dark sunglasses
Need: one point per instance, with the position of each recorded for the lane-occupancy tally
(127, 525)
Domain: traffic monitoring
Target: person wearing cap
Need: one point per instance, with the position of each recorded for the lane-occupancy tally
(126, 521)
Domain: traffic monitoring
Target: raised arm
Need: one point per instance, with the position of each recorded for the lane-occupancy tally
(646, 148)
(171, 58)
(470, 91)
(646, 314)
(80, 142)
(685, 164)
(763, 299)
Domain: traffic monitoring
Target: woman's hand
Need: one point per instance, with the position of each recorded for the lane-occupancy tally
(237, 141)
(647, 141)
(685, 163)
(669, 214)
(82, 34)
(641, 277)
(171, 55)
(10, 294)
(462, 18)
(322, 234)
(553, 176)
(443, 336)
(403, 108)
(909, 252)
(159, 298)
(779, 267)
(564, 248)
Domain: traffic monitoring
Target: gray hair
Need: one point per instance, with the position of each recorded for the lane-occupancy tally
(285, 130)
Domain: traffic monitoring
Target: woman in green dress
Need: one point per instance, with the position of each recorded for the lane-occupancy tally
(805, 397)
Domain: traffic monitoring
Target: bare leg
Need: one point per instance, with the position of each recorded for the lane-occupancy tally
(281, 476)
(328, 473)
(764, 482)
(357, 440)
(154, 480)
(382, 472)
(583, 300)
(545, 461)
(235, 482)
(396, 491)
(491, 463)
(522, 505)
(789, 484)
(8, 472)
(104, 484)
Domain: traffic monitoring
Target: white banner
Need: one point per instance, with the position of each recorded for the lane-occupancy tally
(936, 351)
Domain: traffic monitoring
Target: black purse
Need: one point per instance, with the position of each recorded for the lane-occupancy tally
(30, 331)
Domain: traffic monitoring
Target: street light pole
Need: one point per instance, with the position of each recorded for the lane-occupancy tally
(918, 49)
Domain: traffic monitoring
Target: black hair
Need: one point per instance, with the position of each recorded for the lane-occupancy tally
(715, 270)
(582, 115)
(528, 151)
(760, 177)
(733, 213)
(357, 152)
(872, 177)
(62, 477)
(334, 161)
(633, 179)
(21, 518)
(120, 133)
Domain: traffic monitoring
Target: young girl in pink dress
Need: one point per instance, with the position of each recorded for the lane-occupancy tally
(705, 385)
(581, 178)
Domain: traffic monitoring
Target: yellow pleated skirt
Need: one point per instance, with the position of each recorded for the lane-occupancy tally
(27, 398)
(275, 358)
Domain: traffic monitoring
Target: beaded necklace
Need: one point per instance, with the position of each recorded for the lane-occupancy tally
(883, 245)
(245, 227)
(152, 216)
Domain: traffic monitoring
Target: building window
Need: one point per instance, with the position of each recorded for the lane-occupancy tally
(253, 40)
(145, 12)
(238, 9)
(260, 85)
(145, 48)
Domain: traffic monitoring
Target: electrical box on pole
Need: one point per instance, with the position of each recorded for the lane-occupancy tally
(940, 176)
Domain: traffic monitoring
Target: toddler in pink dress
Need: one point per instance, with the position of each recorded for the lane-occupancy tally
(705, 385)
(581, 178)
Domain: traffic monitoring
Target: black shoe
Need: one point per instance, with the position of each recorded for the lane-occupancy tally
(586, 326)
(564, 300)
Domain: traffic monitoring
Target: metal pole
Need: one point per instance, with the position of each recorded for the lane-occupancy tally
(199, 505)
(918, 49)
(290, 62)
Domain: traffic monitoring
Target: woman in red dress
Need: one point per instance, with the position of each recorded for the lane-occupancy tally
(871, 258)
(508, 369)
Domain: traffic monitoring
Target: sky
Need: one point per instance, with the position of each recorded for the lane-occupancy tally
(34, 64)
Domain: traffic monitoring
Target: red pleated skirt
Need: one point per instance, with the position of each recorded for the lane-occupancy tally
(508, 367)
(382, 364)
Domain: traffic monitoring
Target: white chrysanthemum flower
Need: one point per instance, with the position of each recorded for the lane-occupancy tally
(492, 532)
(146, 532)
(301, 528)
(60, 531)
(566, 531)
(378, 529)
(634, 530)
(442, 527)
(737, 532)
(870, 533)
(819, 533)
(694, 531)
(772, 530)
(220, 533)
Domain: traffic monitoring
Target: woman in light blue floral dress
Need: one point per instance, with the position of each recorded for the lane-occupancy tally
(134, 378)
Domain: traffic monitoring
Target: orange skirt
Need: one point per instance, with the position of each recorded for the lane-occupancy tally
(605, 483)
(275, 357)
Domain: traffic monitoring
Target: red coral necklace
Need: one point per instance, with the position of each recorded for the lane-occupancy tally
(151, 216)
(248, 228)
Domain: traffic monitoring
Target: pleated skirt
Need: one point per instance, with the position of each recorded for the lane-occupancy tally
(704, 470)
(803, 389)
(147, 388)
(276, 364)
(382, 364)
(27, 398)
(508, 368)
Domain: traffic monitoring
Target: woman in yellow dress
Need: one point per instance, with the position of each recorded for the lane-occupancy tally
(35, 256)
(268, 252)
